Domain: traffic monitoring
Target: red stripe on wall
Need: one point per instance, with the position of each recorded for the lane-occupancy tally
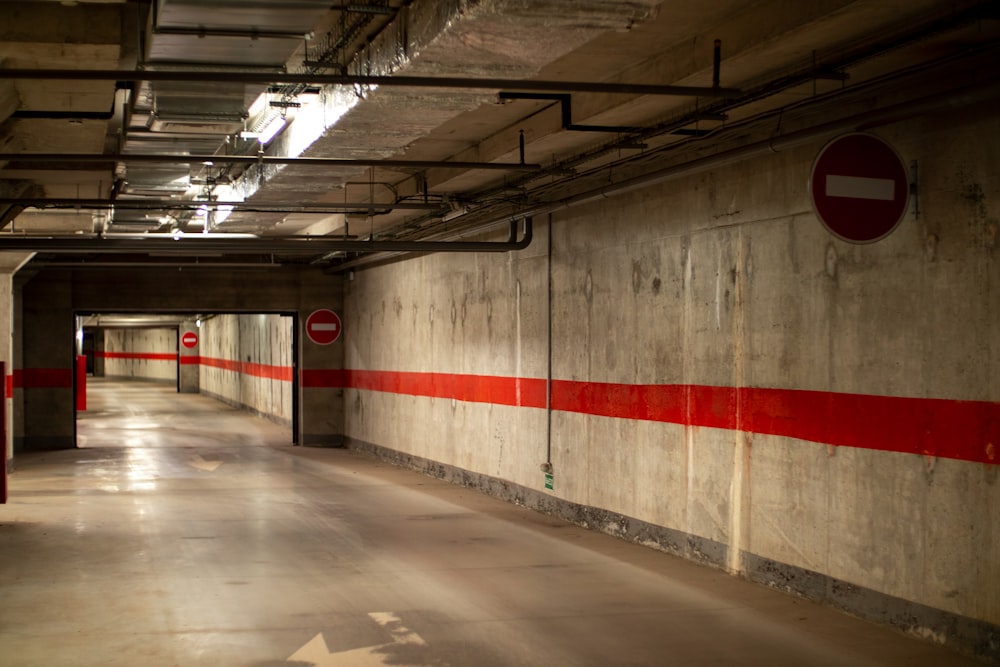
(526, 392)
(964, 430)
(282, 373)
(268, 371)
(149, 356)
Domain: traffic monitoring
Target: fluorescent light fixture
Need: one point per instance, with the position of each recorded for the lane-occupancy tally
(456, 213)
(271, 130)
(222, 212)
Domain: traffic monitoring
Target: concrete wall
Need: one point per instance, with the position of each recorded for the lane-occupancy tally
(246, 361)
(145, 354)
(730, 382)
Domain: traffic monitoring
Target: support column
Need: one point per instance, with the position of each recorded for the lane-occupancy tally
(47, 333)
(99, 352)
(320, 367)
(189, 367)
(10, 263)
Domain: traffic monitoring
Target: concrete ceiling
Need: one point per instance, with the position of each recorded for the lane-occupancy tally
(126, 157)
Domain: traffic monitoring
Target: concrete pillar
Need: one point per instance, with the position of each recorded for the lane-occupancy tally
(99, 348)
(189, 370)
(10, 263)
(47, 333)
(320, 368)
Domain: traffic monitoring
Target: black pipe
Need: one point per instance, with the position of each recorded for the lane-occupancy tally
(40, 114)
(716, 63)
(364, 80)
(198, 244)
(936, 103)
(217, 32)
(193, 204)
(265, 159)
(566, 112)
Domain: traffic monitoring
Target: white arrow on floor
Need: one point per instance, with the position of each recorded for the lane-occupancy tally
(201, 464)
(316, 652)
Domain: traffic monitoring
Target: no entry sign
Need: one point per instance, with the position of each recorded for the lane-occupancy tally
(859, 188)
(323, 326)
(189, 339)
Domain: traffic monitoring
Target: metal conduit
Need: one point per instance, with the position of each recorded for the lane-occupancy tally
(905, 110)
(194, 204)
(263, 159)
(936, 103)
(367, 80)
(199, 244)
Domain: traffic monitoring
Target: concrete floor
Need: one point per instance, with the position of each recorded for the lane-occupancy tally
(187, 533)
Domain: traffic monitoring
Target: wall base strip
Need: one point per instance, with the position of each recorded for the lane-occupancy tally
(960, 633)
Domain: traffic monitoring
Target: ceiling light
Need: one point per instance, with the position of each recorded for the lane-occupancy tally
(271, 130)
(456, 213)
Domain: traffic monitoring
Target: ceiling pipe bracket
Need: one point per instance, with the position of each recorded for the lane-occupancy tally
(566, 111)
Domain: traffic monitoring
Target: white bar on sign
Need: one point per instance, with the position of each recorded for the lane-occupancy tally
(323, 327)
(859, 187)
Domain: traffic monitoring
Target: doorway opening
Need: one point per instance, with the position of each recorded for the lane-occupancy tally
(156, 379)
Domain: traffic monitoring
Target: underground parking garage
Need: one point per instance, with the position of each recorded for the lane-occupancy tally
(530, 333)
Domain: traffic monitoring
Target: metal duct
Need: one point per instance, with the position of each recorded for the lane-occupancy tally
(245, 32)
(395, 93)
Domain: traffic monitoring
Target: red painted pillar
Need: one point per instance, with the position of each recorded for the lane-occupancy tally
(81, 382)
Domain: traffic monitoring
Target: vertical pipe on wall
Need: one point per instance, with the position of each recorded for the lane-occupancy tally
(740, 477)
(548, 333)
(716, 62)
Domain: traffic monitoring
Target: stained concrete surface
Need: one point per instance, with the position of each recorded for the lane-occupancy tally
(184, 532)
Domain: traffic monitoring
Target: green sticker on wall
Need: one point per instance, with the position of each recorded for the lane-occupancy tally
(548, 481)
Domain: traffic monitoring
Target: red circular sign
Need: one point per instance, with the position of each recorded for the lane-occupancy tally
(859, 187)
(189, 339)
(323, 326)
